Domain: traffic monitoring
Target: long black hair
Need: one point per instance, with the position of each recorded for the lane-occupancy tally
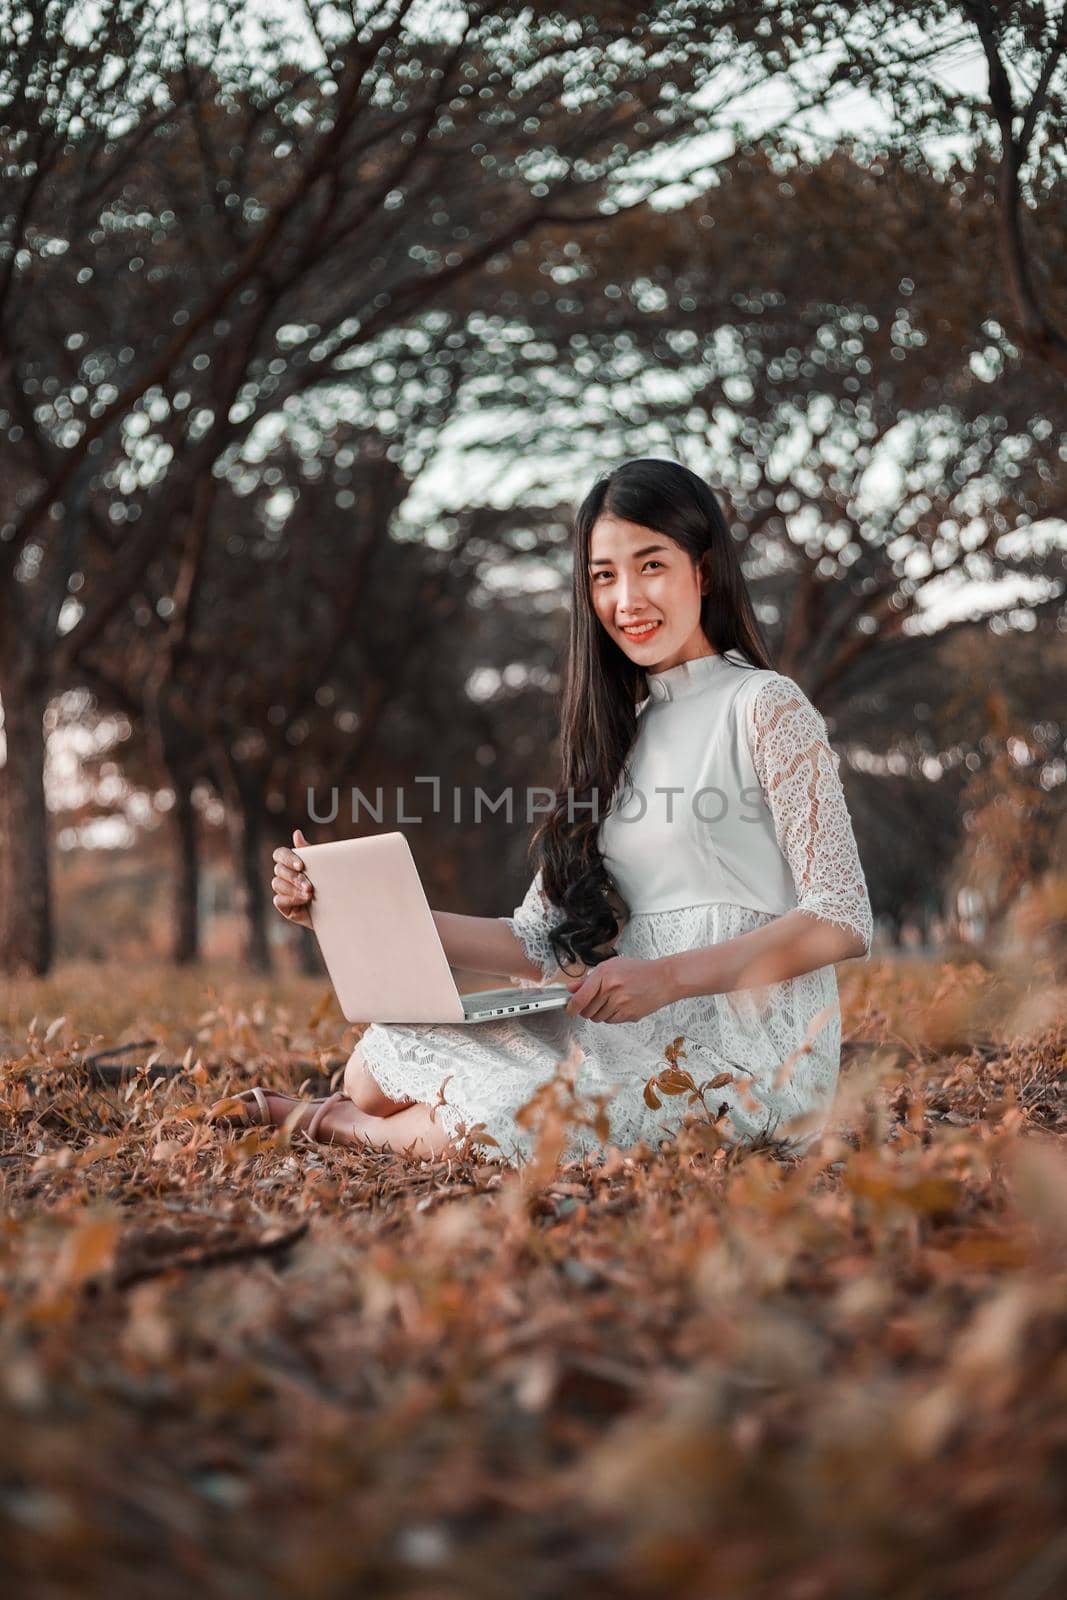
(602, 688)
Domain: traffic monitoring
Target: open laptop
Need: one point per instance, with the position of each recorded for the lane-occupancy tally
(380, 943)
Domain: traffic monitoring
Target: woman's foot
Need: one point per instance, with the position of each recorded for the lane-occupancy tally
(340, 1121)
(258, 1108)
(336, 1120)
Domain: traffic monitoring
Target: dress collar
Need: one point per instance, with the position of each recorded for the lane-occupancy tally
(688, 677)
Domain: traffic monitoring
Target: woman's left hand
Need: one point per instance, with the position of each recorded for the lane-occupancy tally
(621, 989)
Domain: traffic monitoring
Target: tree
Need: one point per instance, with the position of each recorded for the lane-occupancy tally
(201, 223)
(752, 333)
(1009, 131)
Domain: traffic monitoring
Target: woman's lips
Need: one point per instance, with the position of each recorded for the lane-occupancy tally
(639, 634)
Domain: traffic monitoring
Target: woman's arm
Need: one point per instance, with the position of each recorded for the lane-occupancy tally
(483, 944)
(798, 771)
(798, 774)
(785, 948)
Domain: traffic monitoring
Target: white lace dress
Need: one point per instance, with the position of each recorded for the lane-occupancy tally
(734, 815)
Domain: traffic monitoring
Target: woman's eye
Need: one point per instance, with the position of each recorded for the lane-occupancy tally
(605, 574)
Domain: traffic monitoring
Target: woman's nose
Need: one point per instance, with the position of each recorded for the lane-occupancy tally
(630, 594)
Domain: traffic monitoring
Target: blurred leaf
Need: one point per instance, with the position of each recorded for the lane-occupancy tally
(88, 1249)
(321, 1010)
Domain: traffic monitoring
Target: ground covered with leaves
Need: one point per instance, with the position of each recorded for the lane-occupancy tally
(250, 1366)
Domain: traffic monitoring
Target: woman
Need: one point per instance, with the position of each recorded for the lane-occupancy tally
(698, 877)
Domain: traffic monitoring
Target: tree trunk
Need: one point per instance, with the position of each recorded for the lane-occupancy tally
(25, 877)
(248, 827)
(186, 941)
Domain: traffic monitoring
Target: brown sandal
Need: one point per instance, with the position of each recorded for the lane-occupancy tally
(312, 1129)
(258, 1108)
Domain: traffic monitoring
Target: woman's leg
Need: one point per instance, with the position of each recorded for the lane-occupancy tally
(367, 1103)
(414, 1129)
(369, 1117)
(363, 1091)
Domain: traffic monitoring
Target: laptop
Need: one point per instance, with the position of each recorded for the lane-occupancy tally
(381, 947)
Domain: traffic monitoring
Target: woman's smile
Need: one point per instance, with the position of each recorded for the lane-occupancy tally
(639, 630)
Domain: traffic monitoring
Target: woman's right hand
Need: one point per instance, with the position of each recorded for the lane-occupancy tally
(292, 888)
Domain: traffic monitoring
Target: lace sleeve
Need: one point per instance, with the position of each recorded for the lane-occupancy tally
(531, 925)
(798, 773)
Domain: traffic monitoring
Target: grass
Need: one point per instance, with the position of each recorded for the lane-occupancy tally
(255, 1367)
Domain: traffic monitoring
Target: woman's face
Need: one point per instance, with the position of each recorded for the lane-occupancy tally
(638, 576)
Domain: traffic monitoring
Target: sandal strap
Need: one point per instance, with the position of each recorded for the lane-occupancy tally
(312, 1129)
(257, 1106)
(262, 1106)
